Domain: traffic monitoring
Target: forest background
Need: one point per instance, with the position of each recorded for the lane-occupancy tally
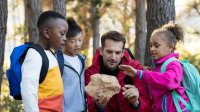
(135, 19)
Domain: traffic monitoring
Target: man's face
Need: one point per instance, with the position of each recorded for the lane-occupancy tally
(112, 53)
(57, 34)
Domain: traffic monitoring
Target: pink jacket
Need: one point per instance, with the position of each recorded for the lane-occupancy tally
(160, 84)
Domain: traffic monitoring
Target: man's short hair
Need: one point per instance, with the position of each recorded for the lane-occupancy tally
(74, 29)
(112, 35)
(45, 17)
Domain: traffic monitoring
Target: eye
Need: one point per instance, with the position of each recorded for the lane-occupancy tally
(63, 33)
(118, 52)
(80, 40)
(109, 52)
(72, 41)
(151, 45)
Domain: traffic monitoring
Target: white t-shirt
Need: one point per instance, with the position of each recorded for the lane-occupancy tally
(74, 62)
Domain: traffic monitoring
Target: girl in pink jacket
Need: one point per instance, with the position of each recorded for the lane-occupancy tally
(162, 46)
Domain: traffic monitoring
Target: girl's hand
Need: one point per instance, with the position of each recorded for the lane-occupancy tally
(128, 70)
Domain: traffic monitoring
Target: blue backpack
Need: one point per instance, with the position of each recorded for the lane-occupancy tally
(191, 83)
(14, 74)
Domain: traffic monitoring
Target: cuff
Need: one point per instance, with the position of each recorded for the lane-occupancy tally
(99, 109)
(135, 107)
(140, 74)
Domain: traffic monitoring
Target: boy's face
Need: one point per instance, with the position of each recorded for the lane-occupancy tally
(112, 53)
(57, 34)
(159, 46)
(73, 45)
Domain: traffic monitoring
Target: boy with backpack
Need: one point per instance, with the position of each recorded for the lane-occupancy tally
(46, 95)
(74, 70)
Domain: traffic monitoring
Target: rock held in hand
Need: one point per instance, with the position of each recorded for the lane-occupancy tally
(102, 86)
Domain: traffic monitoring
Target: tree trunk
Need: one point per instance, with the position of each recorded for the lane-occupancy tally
(140, 40)
(60, 6)
(26, 21)
(159, 12)
(3, 30)
(34, 10)
(95, 26)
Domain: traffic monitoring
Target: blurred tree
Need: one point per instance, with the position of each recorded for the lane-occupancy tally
(95, 16)
(192, 9)
(88, 13)
(32, 12)
(60, 6)
(3, 31)
(193, 5)
(140, 40)
(98, 8)
(159, 12)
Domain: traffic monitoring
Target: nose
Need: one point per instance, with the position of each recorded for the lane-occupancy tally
(113, 56)
(152, 48)
(77, 43)
(64, 37)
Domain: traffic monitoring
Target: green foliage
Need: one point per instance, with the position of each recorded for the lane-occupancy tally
(192, 58)
(10, 105)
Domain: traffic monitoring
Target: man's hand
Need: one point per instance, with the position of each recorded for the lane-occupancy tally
(128, 70)
(131, 93)
(101, 102)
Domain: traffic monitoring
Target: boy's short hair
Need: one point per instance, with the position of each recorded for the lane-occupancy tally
(74, 29)
(45, 18)
(112, 35)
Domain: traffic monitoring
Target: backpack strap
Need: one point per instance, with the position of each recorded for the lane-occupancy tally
(60, 59)
(45, 61)
(164, 65)
(130, 53)
(175, 95)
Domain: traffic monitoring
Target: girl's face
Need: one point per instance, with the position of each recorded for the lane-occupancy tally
(73, 45)
(159, 46)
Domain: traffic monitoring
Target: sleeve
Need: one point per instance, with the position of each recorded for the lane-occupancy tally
(135, 64)
(144, 99)
(170, 79)
(90, 101)
(31, 68)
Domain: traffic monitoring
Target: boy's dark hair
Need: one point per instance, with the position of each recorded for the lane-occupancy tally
(112, 35)
(74, 29)
(45, 18)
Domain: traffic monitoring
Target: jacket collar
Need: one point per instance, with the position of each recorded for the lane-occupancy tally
(163, 59)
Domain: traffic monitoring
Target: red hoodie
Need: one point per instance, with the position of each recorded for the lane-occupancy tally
(118, 103)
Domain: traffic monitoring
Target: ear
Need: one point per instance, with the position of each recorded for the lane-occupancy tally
(101, 51)
(171, 47)
(45, 32)
(123, 52)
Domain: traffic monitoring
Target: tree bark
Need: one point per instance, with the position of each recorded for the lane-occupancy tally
(3, 30)
(95, 25)
(140, 40)
(159, 12)
(60, 6)
(26, 21)
(34, 10)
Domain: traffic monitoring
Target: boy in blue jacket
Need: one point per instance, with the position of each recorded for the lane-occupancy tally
(74, 70)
